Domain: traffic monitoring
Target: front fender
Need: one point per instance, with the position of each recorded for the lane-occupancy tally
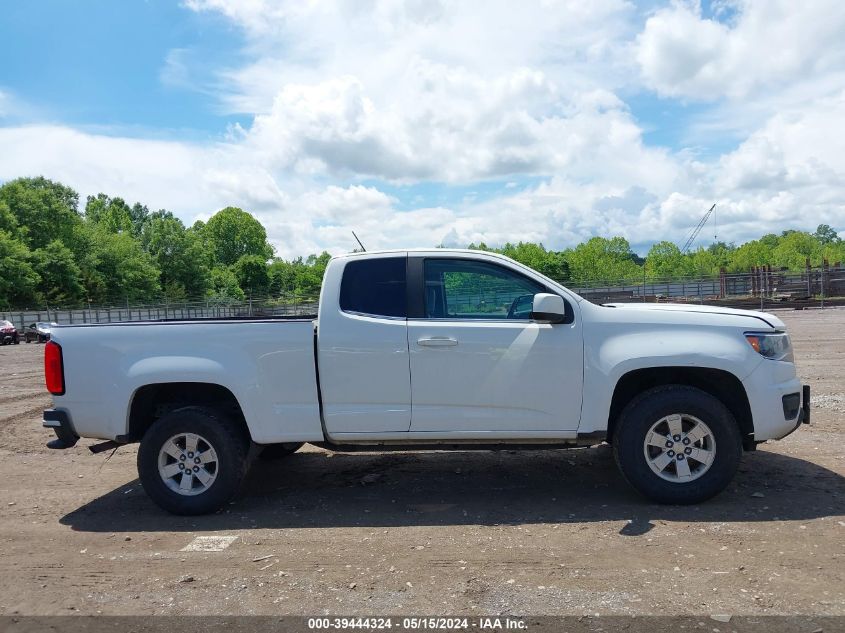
(612, 355)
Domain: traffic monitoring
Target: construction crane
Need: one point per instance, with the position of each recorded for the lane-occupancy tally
(697, 229)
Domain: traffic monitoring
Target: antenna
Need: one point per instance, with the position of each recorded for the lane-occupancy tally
(359, 242)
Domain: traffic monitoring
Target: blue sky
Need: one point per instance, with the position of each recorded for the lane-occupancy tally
(103, 63)
(416, 123)
(148, 67)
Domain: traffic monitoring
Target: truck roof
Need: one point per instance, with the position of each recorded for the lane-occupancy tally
(412, 251)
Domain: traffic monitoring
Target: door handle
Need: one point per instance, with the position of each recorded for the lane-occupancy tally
(437, 341)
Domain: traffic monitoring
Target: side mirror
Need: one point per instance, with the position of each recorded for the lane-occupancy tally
(548, 308)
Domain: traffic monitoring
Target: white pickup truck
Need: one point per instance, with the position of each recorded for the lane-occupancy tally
(431, 349)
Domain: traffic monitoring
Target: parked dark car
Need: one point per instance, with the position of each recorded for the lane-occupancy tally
(8, 333)
(38, 332)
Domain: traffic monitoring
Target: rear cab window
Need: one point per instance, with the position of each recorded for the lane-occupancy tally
(375, 287)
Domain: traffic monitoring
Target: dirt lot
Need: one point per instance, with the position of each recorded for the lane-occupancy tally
(551, 532)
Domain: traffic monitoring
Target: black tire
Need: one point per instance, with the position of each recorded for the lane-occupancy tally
(227, 439)
(272, 452)
(17, 340)
(650, 406)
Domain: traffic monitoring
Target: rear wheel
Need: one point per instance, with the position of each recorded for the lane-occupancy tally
(192, 460)
(677, 444)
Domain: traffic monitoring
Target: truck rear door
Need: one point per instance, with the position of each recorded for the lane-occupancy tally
(363, 348)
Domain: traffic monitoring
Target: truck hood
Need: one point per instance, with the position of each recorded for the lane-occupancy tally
(769, 319)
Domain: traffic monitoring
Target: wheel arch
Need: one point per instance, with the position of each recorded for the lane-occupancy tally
(150, 402)
(719, 383)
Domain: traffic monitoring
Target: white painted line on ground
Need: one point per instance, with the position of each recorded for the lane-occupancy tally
(209, 544)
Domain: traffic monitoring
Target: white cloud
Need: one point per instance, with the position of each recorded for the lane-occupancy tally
(12, 107)
(352, 99)
(768, 44)
(459, 128)
(175, 72)
(195, 180)
(159, 173)
(790, 172)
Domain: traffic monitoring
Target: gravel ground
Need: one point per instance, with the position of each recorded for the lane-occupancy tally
(511, 532)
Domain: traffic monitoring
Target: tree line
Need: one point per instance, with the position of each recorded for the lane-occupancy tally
(601, 259)
(55, 252)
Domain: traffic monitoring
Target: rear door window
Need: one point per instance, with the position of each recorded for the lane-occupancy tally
(375, 287)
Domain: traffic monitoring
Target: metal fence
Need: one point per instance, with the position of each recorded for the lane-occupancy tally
(167, 310)
(762, 288)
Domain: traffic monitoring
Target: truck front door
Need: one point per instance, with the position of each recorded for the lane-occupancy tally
(479, 363)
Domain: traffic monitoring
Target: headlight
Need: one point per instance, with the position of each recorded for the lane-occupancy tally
(774, 345)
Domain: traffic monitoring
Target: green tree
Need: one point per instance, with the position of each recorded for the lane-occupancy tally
(139, 213)
(178, 254)
(112, 214)
(834, 252)
(120, 270)
(8, 222)
(282, 277)
(552, 264)
(825, 235)
(665, 259)
(795, 248)
(224, 286)
(251, 273)
(754, 253)
(703, 263)
(174, 291)
(303, 278)
(61, 278)
(600, 258)
(18, 281)
(232, 233)
(43, 210)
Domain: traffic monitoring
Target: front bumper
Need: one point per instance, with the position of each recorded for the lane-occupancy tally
(804, 413)
(59, 421)
(779, 402)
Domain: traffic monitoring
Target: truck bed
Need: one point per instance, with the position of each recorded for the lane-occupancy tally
(267, 363)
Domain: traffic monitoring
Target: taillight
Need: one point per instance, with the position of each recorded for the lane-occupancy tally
(54, 371)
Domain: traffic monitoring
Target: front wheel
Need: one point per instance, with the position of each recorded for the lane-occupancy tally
(192, 460)
(677, 444)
